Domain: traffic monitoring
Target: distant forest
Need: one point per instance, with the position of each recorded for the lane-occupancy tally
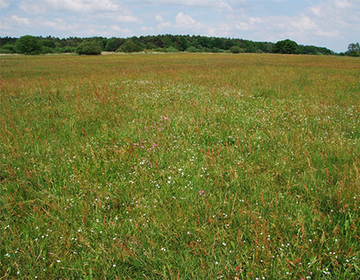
(162, 43)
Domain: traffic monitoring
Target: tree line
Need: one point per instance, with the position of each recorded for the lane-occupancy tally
(159, 43)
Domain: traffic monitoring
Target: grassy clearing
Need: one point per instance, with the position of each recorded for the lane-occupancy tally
(181, 166)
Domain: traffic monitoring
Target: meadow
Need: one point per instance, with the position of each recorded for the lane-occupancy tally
(180, 166)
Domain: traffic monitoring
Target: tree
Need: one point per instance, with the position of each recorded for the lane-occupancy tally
(192, 49)
(113, 44)
(236, 49)
(353, 49)
(28, 45)
(286, 47)
(130, 46)
(8, 48)
(89, 48)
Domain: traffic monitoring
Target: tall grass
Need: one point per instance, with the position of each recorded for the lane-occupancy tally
(180, 166)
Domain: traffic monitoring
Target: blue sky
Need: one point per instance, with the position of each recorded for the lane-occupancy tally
(330, 23)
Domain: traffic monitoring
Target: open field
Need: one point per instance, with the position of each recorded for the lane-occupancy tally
(180, 166)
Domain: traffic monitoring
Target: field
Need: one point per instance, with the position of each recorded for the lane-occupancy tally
(180, 166)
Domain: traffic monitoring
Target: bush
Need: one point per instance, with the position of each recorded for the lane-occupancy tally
(45, 50)
(8, 48)
(48, 43)
(171, 49)
(353, 49)
(236, 49)
(5, 51)
(158, 50)
(286, 47)
(89, 48)
(28, 45)
(130, 46)
(192, 49)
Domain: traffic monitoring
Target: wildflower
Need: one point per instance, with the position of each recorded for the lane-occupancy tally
(201, 192)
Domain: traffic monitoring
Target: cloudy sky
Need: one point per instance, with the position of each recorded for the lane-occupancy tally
(330, 23)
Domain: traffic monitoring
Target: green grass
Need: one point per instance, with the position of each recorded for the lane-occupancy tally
(180, 166)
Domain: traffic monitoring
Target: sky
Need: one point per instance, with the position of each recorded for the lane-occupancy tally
(329, 23)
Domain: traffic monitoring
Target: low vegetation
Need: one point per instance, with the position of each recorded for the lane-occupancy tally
(180, 166)
(164, 43)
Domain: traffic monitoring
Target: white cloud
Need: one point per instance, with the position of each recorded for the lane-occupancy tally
(83, 6)
(242, 25)
(164, 24)
(20, 20)
(184, 20)
(217, 4)
(187, 22)
(3, 4)
(147, 29)
(127, 18)
(342, 4)
(303, 23)
(159, 18)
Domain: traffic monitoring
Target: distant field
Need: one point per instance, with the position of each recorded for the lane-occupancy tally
(184, 166)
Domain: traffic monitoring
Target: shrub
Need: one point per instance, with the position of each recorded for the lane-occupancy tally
(5, 51)
(130, 46)
(89, 48)
(45, 50)
(286, 47)
(171, 49)
(8, 48)
(192, 49)
(28, 45)
(236, 49)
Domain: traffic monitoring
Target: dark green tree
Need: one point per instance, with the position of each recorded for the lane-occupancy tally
(286, 47)
(130, 46)
(89, 48)
(8, 48)
(236, 49)
(353, 49)
(28, 45)
(113, 44)
(192, 49)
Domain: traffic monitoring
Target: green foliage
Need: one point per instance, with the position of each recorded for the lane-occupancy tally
(8, 48)
(7, 40)
(89, 48)
(45, 50)
(130, 46)
(28, 45)
(286, 47)
(236, 49)
(353, 49)
(48, 43)
(192, 49)
(113, 44)
(171, 49)
(5, 51)
(166, 43)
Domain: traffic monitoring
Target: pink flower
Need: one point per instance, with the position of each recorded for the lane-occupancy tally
(201, 192)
